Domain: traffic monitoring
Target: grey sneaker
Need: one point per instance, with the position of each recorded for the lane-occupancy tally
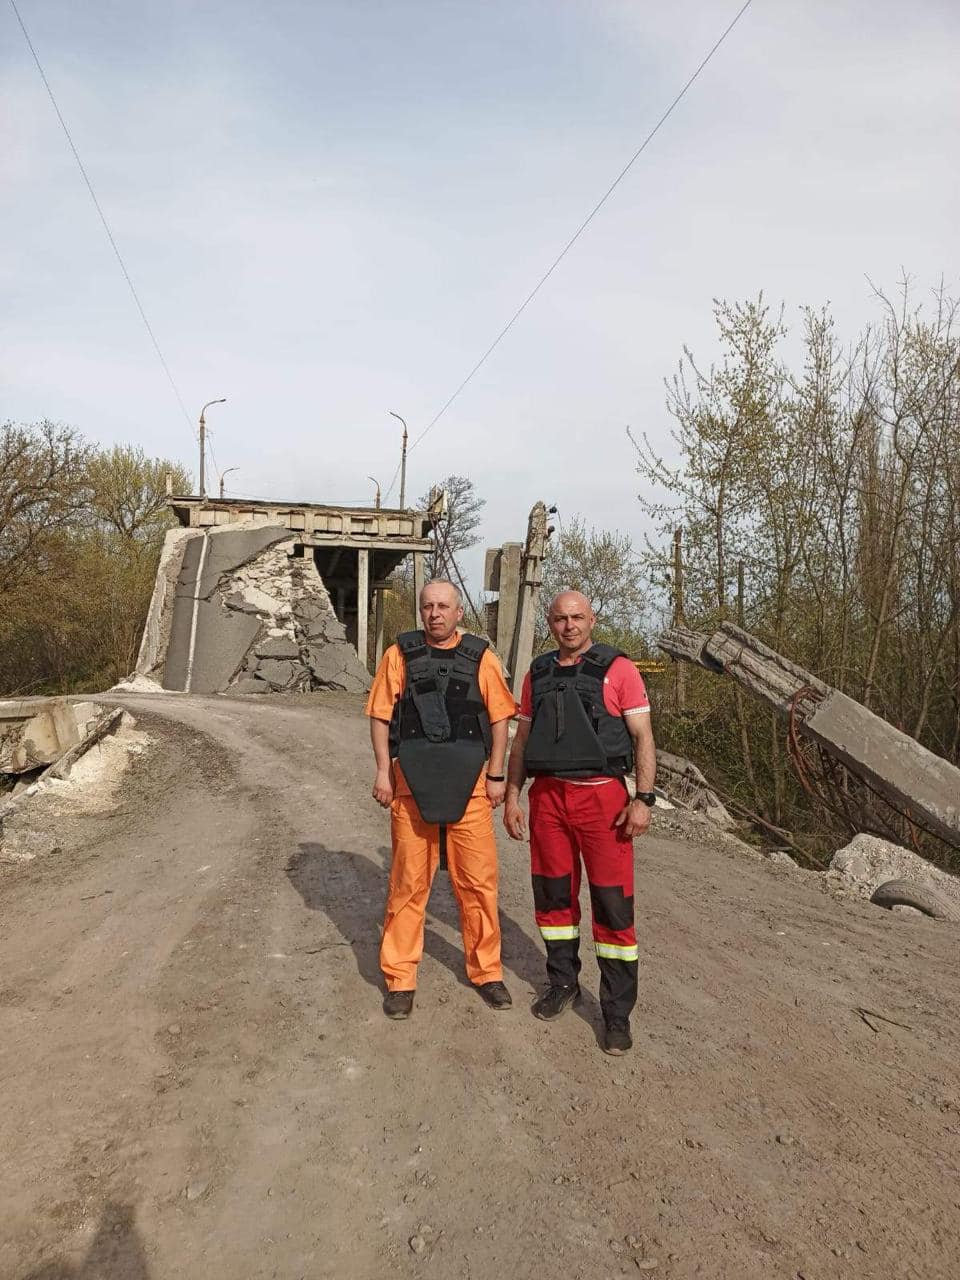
(398, 1004)
(554, 1001)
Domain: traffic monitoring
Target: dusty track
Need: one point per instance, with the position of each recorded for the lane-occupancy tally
(197, 1080)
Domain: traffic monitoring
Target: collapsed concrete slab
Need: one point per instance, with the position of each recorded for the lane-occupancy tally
(243, 609)
(914, 781)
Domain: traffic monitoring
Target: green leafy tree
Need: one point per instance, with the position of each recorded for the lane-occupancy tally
(604, 565)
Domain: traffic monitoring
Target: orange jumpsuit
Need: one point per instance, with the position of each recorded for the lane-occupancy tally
(471, 846)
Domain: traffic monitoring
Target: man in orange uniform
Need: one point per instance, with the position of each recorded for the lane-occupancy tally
(439, 711)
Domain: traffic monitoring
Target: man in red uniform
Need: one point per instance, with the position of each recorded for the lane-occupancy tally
(584, 725)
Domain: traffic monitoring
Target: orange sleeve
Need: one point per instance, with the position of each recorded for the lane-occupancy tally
(387, 685)
(497, 696)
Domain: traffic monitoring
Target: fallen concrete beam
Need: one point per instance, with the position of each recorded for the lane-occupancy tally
(912, 779)
(906, 774)
(761, 670)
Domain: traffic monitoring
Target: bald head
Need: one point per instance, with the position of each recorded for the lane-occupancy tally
(567, 600)
(571, 619)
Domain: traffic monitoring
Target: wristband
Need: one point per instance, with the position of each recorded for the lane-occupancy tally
(496, 777)
(649, 798)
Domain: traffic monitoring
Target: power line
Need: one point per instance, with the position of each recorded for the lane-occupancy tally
(106, 225)
(575, 237)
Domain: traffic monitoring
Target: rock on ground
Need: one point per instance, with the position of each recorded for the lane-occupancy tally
(868, 861)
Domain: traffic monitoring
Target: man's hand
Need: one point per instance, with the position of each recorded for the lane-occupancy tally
(634, 818)
(514, 820)
(495, 793)
(383, 788)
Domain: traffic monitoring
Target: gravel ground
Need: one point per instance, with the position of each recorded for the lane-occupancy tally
(198, 1080)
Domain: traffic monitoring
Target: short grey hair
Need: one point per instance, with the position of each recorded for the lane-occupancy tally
(444, 582)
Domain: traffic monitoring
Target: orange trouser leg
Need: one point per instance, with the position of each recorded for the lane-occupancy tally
(416, 854)
(472, 863)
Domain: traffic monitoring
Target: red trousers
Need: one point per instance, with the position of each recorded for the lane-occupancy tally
(570, 821)
(472, 865)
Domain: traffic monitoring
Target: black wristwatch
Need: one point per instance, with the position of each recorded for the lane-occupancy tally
(649, 798)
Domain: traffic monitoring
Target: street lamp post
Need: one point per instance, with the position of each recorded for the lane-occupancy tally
(226, 473)
(376, 500)
(203, 444)
(403, 458)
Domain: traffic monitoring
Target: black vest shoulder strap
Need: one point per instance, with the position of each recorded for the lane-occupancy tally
(598, 660)
(541, 668)
(412, 644)
(424, 690)
(468, 655)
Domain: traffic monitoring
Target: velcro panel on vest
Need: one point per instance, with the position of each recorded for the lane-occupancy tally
(427, 696)
(441, 776)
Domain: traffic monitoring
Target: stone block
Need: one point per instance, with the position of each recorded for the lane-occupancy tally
(279, 647)
(249, 684)
(276, 672)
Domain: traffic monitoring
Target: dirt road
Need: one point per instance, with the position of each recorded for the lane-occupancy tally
(197, 1080)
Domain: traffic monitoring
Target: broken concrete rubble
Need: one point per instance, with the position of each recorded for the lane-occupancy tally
(913, 780)
(301, 643)
(33, 736)
(59, 732)
(685, 784)
(869, 861)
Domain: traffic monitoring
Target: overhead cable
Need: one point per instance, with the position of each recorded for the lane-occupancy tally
(106, 225)
(574, 238)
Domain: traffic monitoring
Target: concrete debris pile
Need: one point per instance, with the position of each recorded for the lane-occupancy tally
(891, 876)
(238, 609)
(42, 740)
(35, 734)
(70, 759)
(300, 643)
(905, 774)
(686, 786)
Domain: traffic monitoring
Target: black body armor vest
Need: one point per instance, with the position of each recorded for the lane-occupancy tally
(440, 730)
(573, 735)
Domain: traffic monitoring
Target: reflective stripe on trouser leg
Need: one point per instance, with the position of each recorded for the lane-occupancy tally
(555, 868)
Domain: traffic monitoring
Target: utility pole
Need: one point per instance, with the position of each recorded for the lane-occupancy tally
(678, 619)
(376, 501)
(403, 458)
(203, 445)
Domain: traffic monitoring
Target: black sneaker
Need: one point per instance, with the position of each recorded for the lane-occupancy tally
(556, 1000)
(495, 994)
(398, 1004)
(616, 1037)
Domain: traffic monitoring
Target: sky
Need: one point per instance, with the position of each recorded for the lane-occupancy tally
(329, 210)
